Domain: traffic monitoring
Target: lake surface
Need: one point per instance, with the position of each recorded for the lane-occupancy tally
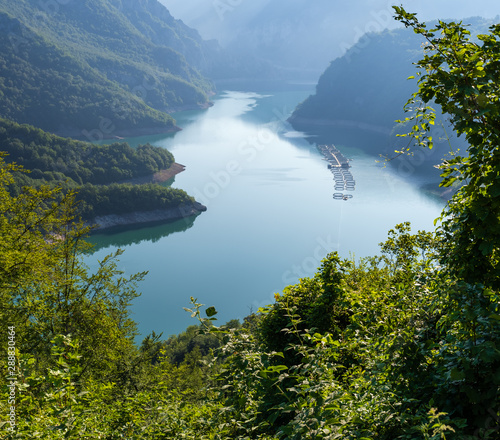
(271, 216)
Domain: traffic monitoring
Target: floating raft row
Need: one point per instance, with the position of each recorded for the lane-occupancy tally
(333, 156)
(339, 166)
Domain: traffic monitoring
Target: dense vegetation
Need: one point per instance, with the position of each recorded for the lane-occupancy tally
(45, 154)
(404, 345)
(91, 169)
(366, 85)
(364, 91)
(96, 68)
(98, 200)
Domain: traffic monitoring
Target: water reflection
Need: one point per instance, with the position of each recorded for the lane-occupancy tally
(121, 236)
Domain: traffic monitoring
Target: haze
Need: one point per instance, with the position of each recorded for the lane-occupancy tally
(305, 34)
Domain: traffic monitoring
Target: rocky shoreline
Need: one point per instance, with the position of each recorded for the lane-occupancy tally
(158, 215)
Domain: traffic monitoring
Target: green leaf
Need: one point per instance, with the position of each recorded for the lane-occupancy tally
(456, 374)
(211, 312)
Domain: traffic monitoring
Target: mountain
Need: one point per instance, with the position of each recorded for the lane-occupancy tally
(282, 40)
(368, 85)
(297, 39)
(98, 68)
(362, 94)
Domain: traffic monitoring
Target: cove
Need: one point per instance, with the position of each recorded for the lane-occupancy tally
(271, 216)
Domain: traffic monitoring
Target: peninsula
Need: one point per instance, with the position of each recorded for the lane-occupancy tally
(115, 184)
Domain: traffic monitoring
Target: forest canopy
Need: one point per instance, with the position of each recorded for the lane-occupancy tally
(93, 68)
(94, 171)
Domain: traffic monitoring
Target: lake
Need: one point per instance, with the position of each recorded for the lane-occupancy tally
(271, 216)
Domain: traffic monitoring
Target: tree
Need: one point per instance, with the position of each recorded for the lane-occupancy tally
(45, 288)
(26, 221)
(67, 338)
(463, 77)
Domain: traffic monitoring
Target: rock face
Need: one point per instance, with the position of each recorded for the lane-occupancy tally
(159, 215)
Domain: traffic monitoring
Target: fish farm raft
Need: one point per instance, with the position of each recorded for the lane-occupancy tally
(339, 166)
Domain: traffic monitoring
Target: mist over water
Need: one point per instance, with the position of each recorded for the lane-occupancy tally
(271, 217)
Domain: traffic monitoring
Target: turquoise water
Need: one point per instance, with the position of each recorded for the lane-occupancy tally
(271, 217)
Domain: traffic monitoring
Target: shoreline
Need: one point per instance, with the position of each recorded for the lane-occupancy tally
(119, 135)
(157, 215)
(110, 132)
(183, 108)
(144, 217)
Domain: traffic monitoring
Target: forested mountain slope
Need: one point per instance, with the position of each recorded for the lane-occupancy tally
(97, 68)
(367, 88)
(367, 85)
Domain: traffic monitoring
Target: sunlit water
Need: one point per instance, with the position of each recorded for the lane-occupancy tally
(271, 217)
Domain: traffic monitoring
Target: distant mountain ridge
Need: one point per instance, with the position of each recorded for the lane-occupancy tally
(297, 39)
(98, 68)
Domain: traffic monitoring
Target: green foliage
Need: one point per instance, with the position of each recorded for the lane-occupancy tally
(463, 76)
(77, 371)
(91, 170)
(468, 371)
(318, 302)
(95, 68)
(389, 347)
(57, 404)
(45, 154)
(177, 348)
(46, 289)
(414, 339)
(124, 198)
